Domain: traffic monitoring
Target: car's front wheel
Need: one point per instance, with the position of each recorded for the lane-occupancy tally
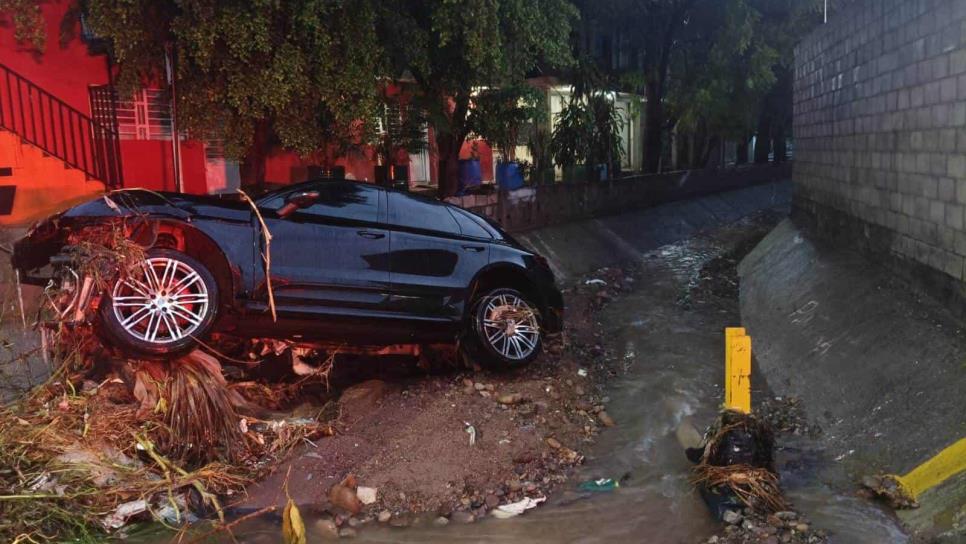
(506, 329)
(161, 307)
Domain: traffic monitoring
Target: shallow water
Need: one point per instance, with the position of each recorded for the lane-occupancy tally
(672, 370)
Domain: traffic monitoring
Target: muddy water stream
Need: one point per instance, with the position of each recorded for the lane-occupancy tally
(672, 366)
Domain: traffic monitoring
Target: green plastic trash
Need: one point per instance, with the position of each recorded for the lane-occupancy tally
(602, 484)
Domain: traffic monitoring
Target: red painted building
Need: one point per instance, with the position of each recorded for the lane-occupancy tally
(65, 134)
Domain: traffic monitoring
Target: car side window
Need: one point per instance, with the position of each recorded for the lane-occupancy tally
(469, 225)
(338, 200)
(412, 212)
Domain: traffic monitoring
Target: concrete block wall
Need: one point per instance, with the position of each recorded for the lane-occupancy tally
(880, 130)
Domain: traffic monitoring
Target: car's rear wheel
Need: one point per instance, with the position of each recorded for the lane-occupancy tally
(506, 329)
(161, 307)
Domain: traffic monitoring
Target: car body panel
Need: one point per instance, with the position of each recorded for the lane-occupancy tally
(333, 255)
(430, 260)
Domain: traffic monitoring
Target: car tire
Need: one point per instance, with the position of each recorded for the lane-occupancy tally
(161, 308)
(502, 342)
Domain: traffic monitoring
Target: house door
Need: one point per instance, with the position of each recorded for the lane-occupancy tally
(419, 167)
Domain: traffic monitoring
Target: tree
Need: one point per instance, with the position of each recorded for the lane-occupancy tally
(498, 115)
(254, 72)
(651, 29)
(588, 128)
(454, 48)
(403, 129)
(721, 77)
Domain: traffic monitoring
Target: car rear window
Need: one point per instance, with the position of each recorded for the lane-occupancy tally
(469, 225)
(415, 213)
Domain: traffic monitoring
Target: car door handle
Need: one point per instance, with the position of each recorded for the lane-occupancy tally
(371, 235)
(476, 249)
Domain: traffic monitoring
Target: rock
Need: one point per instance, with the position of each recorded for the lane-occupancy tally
(344, 497)
(327, 528)
(553, 443)
(384, 516)
(801, 527)
(479, 386)
(366, 495)
(492, 501)
(462, 517)
(872, 482)
(775, 521)
(605, 419)
(362, 398)
(510, 398)
(467, 382)
(786, 515)
(731, 517)
(441, 521)
(747, 525)
(347, 532)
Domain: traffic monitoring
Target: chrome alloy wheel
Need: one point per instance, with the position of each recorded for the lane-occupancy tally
(510, 326)
(162, 302)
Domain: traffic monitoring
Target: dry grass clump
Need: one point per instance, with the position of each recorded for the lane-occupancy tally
(73, 459)
(756, 488)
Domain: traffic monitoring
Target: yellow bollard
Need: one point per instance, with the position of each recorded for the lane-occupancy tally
(737, 370)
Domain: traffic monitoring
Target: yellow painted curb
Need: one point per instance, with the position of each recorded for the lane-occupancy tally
(941, 467)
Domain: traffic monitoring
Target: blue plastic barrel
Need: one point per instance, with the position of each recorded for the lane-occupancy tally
(471, 175)
(509, 176)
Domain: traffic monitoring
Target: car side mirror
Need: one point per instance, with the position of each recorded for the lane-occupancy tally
(297, 201)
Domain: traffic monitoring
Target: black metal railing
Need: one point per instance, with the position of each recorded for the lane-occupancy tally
(41, 119)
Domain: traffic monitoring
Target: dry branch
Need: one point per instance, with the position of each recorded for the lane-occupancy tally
(267, 254)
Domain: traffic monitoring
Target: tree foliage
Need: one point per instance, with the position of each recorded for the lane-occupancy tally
(28, 22)
(708, 67)
(252, 70)
(453, 47)
(498, 115)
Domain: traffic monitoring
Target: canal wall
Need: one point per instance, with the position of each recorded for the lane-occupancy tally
(877, 363)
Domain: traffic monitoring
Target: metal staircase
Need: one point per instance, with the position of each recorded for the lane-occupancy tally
(59, 130)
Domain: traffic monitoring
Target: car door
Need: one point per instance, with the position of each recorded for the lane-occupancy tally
(431, 260)
(330, 256)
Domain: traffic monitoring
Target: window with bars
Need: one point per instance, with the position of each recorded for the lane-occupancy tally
(144, 116)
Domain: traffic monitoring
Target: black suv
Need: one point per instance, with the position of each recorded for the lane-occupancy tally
(349, 262)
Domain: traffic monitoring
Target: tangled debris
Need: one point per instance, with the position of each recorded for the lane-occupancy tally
(886, 488)
(107, 441)
(737, 479)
